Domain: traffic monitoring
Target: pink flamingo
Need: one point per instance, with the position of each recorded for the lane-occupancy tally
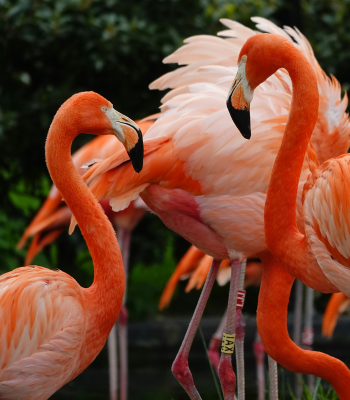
(319, 257)
(192, 158)
(52, 328)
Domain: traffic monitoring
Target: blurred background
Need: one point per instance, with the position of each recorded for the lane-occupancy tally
(50, 50)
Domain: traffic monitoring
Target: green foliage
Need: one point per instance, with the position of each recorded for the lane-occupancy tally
(147, 281)
(321, 391)
(325, 25)
(9, 236)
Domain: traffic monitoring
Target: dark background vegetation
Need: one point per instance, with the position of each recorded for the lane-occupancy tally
(50, 50)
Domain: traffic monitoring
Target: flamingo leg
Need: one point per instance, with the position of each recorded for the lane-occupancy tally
(226, 374)
(125, 236)
(308, 332)
(297, 331)
(259, 354)
(215, 343)
(273, 375)
(180, 367)
(113, 365)
(240, 333)
(123, 352)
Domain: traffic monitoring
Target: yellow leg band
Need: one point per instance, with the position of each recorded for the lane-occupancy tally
(228, 343)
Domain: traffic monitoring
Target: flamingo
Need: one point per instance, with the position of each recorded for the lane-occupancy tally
(52, 328)
(338, 303)
(193, 153)
(319, 257)
(52, 219)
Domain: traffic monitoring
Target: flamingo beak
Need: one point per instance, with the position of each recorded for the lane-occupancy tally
(133, 143)
(239, 99)
(127, 131)
(239, 108)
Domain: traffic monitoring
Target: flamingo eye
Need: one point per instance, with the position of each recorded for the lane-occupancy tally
(104, 109)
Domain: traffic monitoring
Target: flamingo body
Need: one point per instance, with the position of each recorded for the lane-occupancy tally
(43, 320)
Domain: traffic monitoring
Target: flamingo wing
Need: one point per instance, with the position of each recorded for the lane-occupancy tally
(42, 325)
(205, 144)
(327, 219)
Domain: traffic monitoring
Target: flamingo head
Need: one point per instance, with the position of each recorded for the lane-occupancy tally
(259, 58)
(93, 114)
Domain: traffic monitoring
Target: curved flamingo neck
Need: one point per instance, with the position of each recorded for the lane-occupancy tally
(106, 293)
(280, 208)
(272, 313)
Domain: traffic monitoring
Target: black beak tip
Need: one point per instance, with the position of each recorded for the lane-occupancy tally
(247, 134)
(241, 118)
(136, 153)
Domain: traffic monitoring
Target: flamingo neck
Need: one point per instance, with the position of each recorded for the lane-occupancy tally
(104, 297)
(280, 209)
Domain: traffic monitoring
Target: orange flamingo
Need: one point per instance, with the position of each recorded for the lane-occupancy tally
(193, 153)
(338, 303)
(52, 219)
(319, 257)
(52, 328)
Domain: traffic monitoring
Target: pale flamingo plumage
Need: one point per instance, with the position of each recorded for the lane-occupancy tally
(52, 328)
